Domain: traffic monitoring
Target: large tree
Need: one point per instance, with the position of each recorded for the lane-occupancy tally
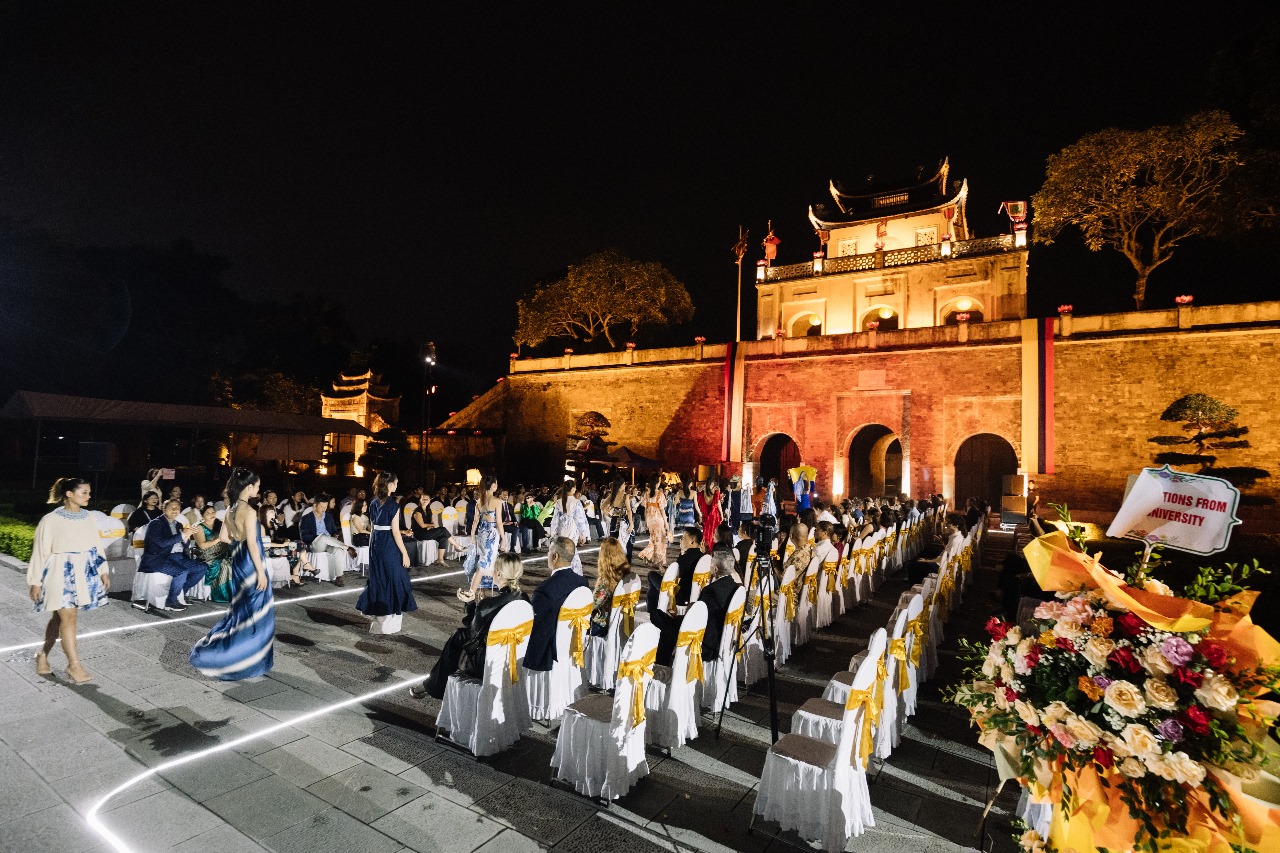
(1209, 427)
(1141, 192)
(601, 296)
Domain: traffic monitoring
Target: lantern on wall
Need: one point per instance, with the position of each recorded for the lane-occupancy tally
(817, 263)
(761, 267)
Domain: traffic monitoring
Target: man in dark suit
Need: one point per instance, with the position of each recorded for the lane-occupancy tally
(318, 532)
(162, 553)
(547, 600)
(717, 595)
(690, 554)
(742, 547)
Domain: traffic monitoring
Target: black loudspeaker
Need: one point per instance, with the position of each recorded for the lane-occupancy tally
(1013, 509)
(97, 456)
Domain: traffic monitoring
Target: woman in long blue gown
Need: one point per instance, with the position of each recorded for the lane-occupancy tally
(389, 591)
(241, 644)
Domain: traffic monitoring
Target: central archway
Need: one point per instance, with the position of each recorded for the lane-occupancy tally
(779, 454)
(875, 463)
(982, 461)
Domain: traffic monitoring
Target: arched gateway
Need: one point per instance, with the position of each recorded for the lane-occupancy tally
(875, 462)
(981, 461)
(779, 453)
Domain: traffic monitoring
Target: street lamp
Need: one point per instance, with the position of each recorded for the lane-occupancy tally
(427, 355)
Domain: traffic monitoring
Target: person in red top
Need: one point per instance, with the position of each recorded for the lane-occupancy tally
(709, 506)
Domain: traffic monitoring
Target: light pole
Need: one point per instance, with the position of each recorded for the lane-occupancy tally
(428, 357)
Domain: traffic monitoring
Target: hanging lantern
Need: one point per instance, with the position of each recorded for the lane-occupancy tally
(817, 263)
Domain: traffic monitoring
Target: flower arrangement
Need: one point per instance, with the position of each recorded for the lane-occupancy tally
(1125, 707)
(700, 339)
(962, 317)
(872, 325)
(1065, 309)
(1185, 299)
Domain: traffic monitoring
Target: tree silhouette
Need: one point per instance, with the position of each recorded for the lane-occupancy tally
(1211, 428)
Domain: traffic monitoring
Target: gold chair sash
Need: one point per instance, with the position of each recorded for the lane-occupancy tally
(579, 618)
(511, 638)
(882, 675)
(789, 590)
(918, 631)
(844, 571)
(898, 648)
(811, 587)
(733, 622)
(862, 699)
(693, 641)
(670, 588)
(829, 568)
(627, 602)
(637, 670)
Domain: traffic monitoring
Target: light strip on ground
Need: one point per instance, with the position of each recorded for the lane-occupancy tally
(161, 623)
(95, 822)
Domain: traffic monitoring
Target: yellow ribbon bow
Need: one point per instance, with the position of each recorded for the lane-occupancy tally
(829, 568)
(637, 670)
(693, 641)
(811, 586)
(877, 705)
(917, 629)
(862, 699)
(511, 638)
(789, 590)
(701, 579)
(898, 648)
(733, 622)
(627, 602)
(844, 571)
(578, 618)
(670, 587)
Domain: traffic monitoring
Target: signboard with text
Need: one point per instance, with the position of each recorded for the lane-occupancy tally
(1190, 512)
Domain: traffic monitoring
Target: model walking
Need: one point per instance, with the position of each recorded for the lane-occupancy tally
(241, 644)
(655, 518)
(63, 575)
(389, 592)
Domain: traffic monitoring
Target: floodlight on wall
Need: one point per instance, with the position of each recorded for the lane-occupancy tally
(885, 313)
(817, 263)
(761, 267)
(473, 476)
(815, 320)
(944, 248)
(964, 304)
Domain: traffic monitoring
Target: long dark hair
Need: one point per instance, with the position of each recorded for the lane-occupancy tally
(485, 485)
(240, 479)
(654, 486)
(58, 491)
(382, 484)
(563, 497)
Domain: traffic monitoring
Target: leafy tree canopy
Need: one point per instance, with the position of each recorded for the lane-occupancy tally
(1210, 427)
(387, 450)
(603, 295)
(1142, 192)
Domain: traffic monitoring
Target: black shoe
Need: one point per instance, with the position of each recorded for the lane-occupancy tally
(175, 608)
(339, 581)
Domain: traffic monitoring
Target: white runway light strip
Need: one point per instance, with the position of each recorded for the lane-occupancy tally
(95, 822)
(161, 623)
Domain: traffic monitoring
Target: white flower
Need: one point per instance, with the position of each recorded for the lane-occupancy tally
(1133, 768)
(1216, 692)
(1068, 628)
(1096, 651)
(1013, 637)
(1020, 664)
(1153, 661)
(1032, 842)
(1007, 675)
(1185, 769)
(1125, 698)
(1138, 740)
(1159, 694)
(990, 667)
(1055, 712)
(1027, 713)
(1150, 584)
(1160, 766)
(1085, 733)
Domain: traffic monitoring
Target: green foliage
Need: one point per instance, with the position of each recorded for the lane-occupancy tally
(1212, 586)
(1074, 532)
(388, 450)
(604, 294)
(16, 538)
(266, 390)
(1141, 192)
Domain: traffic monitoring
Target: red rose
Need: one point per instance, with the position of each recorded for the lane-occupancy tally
(997, 628)
(1103, 756)
(1011, 694)
(1066, 645)
(1033, 656)
(1195, 719)
(1129, 625)
(1035, 731)
(1213, 654)
(1124, 659)
(1189, 677)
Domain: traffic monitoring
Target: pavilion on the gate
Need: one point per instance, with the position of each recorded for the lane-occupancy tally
(896, 255)
(365, 399)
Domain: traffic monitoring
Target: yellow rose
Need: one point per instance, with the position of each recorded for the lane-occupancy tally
(1055, 712)
(1086, 733)
(1160, 695)
(1139, 741)
(1097, 649)
(1027, 713)
(1216, 692)
(1133, 768)
(1154, 662)
(1068, 628)
(1185, 769)
(1124, 698)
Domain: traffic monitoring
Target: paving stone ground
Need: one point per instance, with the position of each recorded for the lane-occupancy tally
(370, 777)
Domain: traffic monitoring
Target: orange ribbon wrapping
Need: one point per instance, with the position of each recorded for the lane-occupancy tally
(578, 619)
(670, 587)
(733, 623)
(918, 632)
(789, 590)
(898, 648)
(511, 638)
(829, 568)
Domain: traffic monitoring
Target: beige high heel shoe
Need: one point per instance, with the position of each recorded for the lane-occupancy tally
(82, 678)
(42, 664)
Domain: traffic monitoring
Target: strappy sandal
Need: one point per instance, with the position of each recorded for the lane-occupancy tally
(42, 664)
(86, 677)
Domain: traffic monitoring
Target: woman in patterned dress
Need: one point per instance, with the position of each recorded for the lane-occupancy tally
(485, 539)
(655, 518)
(212, 552)
(63, 575)
(241, 645)
(570, 520)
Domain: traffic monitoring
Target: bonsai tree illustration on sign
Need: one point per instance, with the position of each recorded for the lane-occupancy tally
(588, 443)
(1209, 428)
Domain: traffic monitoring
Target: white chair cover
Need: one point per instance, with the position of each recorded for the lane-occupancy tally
(892, 717)
(860, 569)
(407, 515)
(549, 692)
(701, 577)
(819, 789)
(671, 700)
(914, 608)
(344, 521)
(602, 652)
(828, 563)
(122, 511)
(665, 597)
(487, 715)
(449, 519)
(325, 566)
(153, 588)
(805, 611)
(783, 627)
(600, 746)
(751, 666)
(428, 552)
(821, 719)
(721, 674)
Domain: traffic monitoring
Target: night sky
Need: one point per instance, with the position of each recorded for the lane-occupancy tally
(426, 167)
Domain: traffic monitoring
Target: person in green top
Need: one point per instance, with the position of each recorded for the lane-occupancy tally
(531, 530)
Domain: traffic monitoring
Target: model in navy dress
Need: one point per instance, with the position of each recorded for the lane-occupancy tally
(389, 592)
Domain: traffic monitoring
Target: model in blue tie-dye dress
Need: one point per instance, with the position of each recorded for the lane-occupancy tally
(241, 644)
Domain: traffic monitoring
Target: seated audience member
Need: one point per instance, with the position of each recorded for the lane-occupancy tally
(547, 600)
(464, 651)
(359, 520)
(275, 544)
(690, 554)
(149, 511)
(510, 524)
(317, 531)
(212, 551)
(425, 530)
(611, 568)
(742, 547)
(194, 513)
(163, 554)
(716, 596)
(291, 512)
(530, 526)
(724, 539)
